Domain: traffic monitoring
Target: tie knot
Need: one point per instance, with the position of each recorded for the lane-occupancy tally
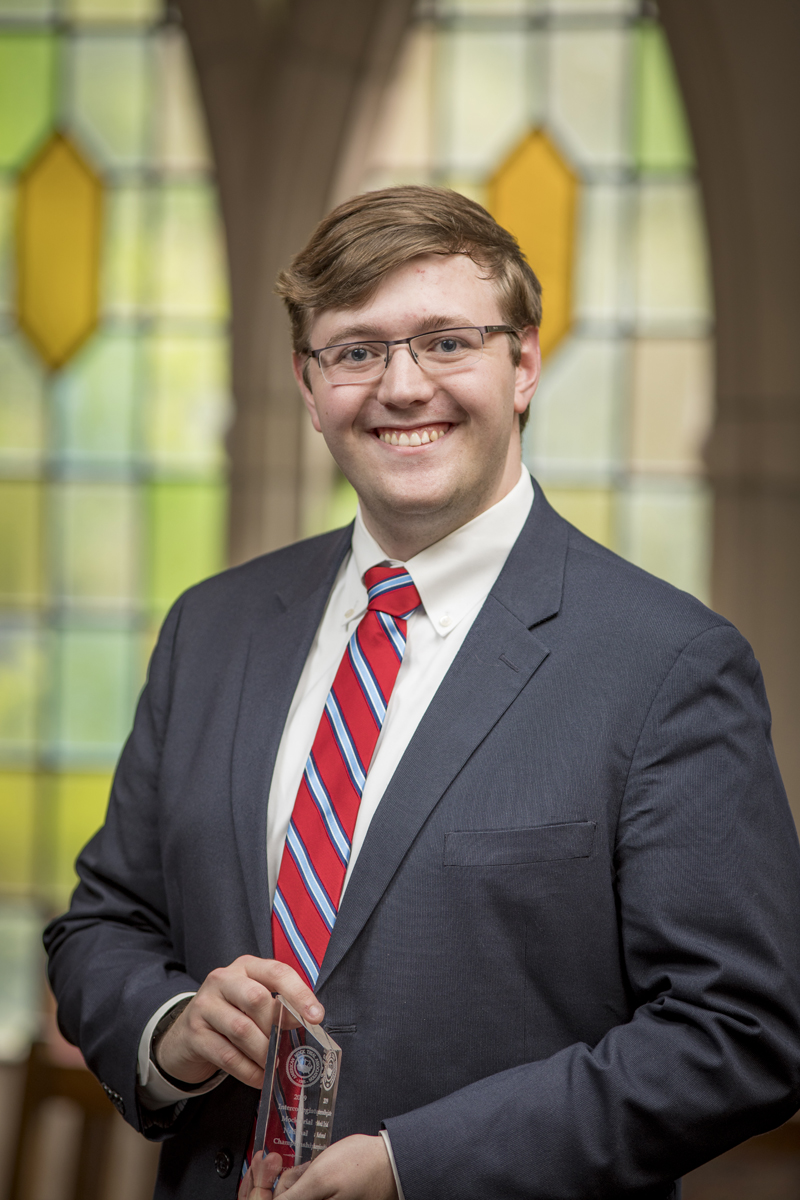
(391, 590)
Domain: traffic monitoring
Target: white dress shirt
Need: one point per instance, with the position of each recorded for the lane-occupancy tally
(453, 577)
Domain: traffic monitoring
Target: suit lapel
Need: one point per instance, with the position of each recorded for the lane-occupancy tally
(498, 658)
(276, 655)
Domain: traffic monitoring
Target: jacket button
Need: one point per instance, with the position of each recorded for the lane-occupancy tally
(223, 1163)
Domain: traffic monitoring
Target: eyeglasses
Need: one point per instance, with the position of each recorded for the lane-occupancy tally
(440, 352)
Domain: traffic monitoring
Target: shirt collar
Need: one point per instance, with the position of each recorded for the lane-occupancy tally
(456, 573)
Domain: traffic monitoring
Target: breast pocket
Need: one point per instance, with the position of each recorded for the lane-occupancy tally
(516, 847)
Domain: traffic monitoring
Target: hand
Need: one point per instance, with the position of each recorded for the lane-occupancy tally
(226, 1025)
(356, 1168)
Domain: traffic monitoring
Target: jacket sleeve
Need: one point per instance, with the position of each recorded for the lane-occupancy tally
(708, 885)
(117, 921)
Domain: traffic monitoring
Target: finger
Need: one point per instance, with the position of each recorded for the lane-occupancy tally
(219, 1050)
(260, 1178)
(280, 977)
(289, 1177)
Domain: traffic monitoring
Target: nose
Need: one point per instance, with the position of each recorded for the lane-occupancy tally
(404, 382)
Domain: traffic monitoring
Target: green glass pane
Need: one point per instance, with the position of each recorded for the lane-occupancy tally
(17, 825)
(97, 536)
(20, 977)
(187, 263)
(27, 77)
(663, 142)
(186, 532)
(94, 399)
(94, 696)
(7, 202)
(124, 247)
(81, 803)
(124, 11)
(187, 408)
(110, 99)
(21, 408)
(344, 503)
(20, 674)
(20, 542)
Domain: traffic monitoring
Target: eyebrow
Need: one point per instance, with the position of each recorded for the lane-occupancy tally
(373, 332)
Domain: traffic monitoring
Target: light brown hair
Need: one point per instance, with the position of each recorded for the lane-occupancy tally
(360, 242)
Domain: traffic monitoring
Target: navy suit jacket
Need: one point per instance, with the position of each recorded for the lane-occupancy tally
(567, 962)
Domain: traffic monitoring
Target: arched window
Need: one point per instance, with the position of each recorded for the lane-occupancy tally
(113, 403)
(564, 118)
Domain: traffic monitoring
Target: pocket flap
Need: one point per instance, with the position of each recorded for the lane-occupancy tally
(510, 847)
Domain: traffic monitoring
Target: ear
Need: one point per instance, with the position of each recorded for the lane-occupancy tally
(299, 362)
(529, 369)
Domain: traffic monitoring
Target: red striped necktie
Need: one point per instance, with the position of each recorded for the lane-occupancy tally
(320, 834)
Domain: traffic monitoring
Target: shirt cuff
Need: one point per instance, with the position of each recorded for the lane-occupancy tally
(154, 1090)
(388, 1143)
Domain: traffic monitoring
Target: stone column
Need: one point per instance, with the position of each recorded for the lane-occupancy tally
(737, 64)
(283, 83)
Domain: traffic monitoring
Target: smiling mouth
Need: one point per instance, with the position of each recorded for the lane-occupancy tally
(420, 435)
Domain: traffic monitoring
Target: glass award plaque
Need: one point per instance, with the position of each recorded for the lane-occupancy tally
(301, 1078)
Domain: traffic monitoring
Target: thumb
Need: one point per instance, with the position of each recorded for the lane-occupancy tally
(261, 1175)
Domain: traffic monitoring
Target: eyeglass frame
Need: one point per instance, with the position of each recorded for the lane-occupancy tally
(406, 341)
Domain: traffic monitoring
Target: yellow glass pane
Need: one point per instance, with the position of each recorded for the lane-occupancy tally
(672, 404)
(20, 673)
(82, 800)
(591, 509)
(17, 829)
(58, 250)
(534, 195)
(20, 542)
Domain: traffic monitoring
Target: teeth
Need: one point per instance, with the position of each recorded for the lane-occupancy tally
(394, 439)
(404, 439)
(415, 439)
(425, 438)
(434, 435)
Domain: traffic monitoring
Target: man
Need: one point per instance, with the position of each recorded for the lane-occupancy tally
(552, 917)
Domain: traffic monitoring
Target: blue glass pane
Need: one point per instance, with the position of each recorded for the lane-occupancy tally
(96, 678)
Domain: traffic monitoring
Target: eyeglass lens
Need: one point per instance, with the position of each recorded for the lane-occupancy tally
(440, 351)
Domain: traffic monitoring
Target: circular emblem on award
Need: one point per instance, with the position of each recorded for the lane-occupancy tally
(330, 1070)
(304, 1066)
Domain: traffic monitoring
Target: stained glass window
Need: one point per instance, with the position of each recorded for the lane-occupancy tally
(564, 118)
(113, 408)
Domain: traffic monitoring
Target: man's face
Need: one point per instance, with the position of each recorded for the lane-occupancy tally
(464, 429)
